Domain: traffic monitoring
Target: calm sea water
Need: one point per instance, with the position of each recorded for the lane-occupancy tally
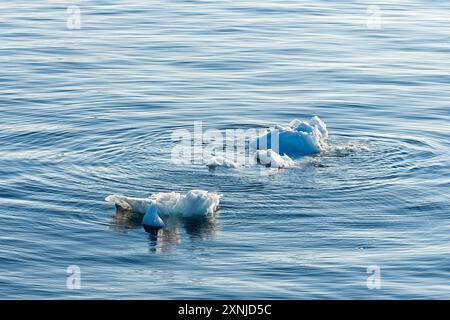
(88, 112)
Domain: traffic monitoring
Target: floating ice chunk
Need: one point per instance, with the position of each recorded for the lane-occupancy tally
(221, 162)
(296, 139)
(198, 202)
(194, 203)
(272, 159)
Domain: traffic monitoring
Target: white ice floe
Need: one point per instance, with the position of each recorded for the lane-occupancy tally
(195, 203)
(270, 158)
(296, 139)
(221, 162)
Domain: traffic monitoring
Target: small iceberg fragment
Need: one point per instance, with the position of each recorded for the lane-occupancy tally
(196, 203)
(221, 162)
(271, 159)
(296, 139)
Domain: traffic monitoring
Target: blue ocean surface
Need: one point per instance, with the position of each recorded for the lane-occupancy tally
(91, 92)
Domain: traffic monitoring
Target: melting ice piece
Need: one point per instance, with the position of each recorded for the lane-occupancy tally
(221, 162)
(272, 159)
(296, 139)
(194, 203)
